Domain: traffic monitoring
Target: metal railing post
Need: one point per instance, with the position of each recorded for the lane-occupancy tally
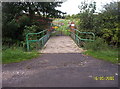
(28, 47)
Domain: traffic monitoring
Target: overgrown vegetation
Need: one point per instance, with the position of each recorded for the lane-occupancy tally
(106, 27)
(100, 49)
(20, 18)
(97, 45)
(104, 24)
(17, 15)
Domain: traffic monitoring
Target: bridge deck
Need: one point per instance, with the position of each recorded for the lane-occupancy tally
(61, 44)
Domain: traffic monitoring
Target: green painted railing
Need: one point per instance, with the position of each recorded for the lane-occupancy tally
(45, 35)
(76, 36)
(41, 42)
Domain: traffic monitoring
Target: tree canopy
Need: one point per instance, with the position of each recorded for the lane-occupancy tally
(104, 24)
(17, 15)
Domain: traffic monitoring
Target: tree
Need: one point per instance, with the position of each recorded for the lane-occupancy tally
(87, 15)
(17, 15)
(110, 23)
(104, 24)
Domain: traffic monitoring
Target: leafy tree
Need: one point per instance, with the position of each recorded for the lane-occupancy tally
(87, 15)
(67, 16)
(23, 14)
(104, 24)
(110, 22)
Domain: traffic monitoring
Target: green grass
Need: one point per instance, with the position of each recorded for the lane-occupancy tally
(13, 55)
(108, 55)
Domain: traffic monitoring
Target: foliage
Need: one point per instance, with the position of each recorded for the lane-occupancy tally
(41, 22)
(109, 23)
(23, 21)
(73, 16)
(86, 7)
(12, 55)
(45, 9)
(30, 29)
(111, 36)
(12, 25)
(104, 24)
(17, 15)
(13, 33)
(86, 15)
(98, 44)
(67, 16)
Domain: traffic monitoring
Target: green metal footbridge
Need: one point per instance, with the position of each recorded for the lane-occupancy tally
(43, 36)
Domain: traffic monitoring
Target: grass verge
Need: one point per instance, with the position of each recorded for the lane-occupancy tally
(12, 55)
(107, 55)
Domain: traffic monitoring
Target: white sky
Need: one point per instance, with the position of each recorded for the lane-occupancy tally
(71, 6)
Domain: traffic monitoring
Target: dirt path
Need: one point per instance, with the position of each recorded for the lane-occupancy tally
(61, 44)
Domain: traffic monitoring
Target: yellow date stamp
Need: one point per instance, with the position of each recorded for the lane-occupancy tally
(104, 78)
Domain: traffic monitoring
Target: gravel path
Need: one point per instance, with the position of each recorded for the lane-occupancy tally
(61, 44)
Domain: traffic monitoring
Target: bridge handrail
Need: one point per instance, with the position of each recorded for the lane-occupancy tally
(36, 33)
(77, 38)
(42, 38)
(87, 33)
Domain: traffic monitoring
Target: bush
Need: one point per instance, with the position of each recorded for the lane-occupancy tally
(24, 20)
(98, 44)
(111, 36)
(30, 29)
(13, 25)
(10, 32)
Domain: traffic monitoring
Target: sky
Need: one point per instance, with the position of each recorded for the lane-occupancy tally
(71, 6)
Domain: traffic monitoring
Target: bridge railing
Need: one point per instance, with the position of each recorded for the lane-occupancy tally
(78, 36)
(41, 41)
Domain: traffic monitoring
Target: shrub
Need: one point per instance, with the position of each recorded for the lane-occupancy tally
(24, 20)
(111, 36)
(10, 32)
(98, 44)
(30, 29)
